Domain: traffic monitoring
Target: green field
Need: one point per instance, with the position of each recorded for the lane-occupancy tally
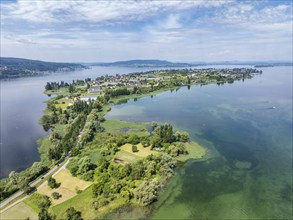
(127, 156)
(117, 126)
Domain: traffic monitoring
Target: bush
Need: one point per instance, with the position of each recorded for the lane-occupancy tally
(100, 203)
(134, 148)
(52, 183)
(133, 139)
(56, 195)
(72, 214)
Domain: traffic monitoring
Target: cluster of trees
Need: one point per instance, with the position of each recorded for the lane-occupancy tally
(112, 180)
(56, 85)
(147, 192)
(62, 84)
(118, 92)
(82, 167)
(63, 146)
(163, 136)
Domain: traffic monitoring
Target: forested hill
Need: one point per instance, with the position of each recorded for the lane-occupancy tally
(17, 67)
(145, 63)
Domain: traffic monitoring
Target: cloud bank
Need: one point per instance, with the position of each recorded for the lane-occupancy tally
(196, 30)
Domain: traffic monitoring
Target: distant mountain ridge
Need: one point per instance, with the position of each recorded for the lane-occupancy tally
(11, 67)
(144, 63)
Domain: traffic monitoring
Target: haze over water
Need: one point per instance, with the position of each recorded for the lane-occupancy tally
(247, 127)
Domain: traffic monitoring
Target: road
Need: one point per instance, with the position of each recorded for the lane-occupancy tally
(15, 195)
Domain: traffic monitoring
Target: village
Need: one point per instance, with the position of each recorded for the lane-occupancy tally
(145, 82)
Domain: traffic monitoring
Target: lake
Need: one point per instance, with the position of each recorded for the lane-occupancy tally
(22, 105)
(247, 129)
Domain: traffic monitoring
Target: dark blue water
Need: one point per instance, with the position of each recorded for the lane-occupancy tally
(247, 127)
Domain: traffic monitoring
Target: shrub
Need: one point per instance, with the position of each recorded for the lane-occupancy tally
(134, 148)
(56, 195)
(52, 183)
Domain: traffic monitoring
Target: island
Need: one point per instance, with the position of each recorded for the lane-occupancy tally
(91, 166)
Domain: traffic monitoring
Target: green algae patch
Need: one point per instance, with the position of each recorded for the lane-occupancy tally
(242, 164)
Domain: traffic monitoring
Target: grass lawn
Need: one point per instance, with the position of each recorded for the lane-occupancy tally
(62, 106)
(19, 211)
(195, 150)
(67, 188)
(128, 156)
(117, 126)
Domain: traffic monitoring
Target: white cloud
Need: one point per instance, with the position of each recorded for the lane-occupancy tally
(175, 30)
(40, 11)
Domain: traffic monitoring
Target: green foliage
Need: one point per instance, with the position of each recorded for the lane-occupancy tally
(100, 202)
(133, 139)
(44, 215)
(21, 180)
(118, 92)
(82, 167)
(72, 214)
(134, 148)
(52, 183)
(37, 201)
(147, 192)
(176, 149)
(56, 195)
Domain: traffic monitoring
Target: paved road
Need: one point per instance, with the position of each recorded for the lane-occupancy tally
(32, 184)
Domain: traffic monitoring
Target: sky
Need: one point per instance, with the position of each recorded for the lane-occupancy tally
(179, 31)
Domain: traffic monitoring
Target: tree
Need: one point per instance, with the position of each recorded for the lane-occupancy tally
(188, 80)
(44, 215)
(44, 201)
(134, 148)
(147, 192)
(56, 195)
(48, 86)
(184, 137)
(52, 183)
(13, 176)
(72, 214)
(71, 88)
(133, 139)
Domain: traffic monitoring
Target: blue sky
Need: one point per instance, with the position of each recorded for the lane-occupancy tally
(198, 30)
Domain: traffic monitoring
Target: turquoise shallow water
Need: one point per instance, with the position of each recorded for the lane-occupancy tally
(247, 127)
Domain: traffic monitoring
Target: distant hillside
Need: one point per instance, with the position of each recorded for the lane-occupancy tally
(17, 67)
(144, 63)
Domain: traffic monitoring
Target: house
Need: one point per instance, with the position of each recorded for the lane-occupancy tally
(95, 90)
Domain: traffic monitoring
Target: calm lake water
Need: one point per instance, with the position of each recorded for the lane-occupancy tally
(22, 105)
(247, 128)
